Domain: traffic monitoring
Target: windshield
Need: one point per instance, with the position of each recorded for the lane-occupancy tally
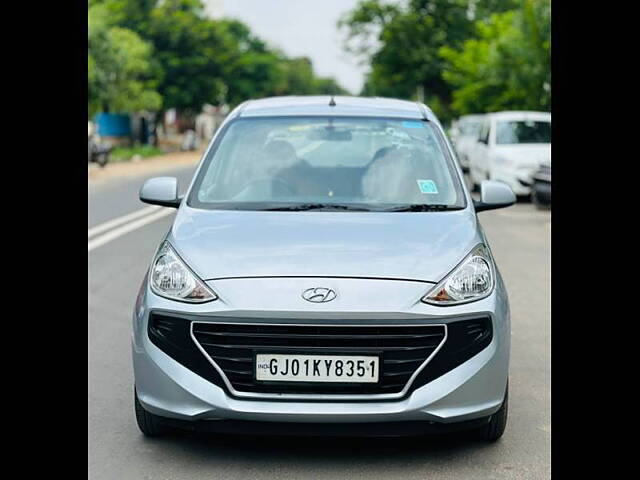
(372, 163)
(523, 132)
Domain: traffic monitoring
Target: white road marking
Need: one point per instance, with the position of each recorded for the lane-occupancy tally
(103, 227)
(129, 227)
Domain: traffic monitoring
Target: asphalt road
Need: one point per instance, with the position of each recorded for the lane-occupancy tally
(113, 198)
(520, 240)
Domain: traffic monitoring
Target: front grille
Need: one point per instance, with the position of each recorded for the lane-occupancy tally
(465, 339)
(402, 349)
(172, 335)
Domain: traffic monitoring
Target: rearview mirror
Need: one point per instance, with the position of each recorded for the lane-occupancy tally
(494, 195)
(161, 191)
(329, 134)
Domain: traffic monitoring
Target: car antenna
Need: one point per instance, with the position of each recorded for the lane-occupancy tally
(332, 102)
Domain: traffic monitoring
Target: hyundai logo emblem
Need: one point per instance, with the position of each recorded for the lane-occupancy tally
(318, 295)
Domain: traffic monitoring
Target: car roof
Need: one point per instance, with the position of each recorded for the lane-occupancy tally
(471, 117)
(520, 114)
(344, 106)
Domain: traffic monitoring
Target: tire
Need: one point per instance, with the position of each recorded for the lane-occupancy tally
(538, 205)
(103, 158)
(536, 201)
(496, 426)
(149, 424)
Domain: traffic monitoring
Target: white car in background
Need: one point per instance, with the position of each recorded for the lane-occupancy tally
(467, 130)
(511, 147)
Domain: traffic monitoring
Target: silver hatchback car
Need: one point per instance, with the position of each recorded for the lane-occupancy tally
(325, 274)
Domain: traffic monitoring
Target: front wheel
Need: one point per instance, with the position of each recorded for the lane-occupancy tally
(496, 426)
(103, 159)
(149, 424)
(535, 199)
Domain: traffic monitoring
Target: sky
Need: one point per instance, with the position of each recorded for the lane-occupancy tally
(300, 28)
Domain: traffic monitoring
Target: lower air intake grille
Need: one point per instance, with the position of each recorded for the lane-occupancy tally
(402, 349)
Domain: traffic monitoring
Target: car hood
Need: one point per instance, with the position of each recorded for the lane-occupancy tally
(526, 155)
(421, 246)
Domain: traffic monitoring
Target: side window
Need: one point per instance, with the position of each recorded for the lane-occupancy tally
(483, 136)
(488, 133)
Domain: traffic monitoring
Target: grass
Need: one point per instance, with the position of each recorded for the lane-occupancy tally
(124, 154)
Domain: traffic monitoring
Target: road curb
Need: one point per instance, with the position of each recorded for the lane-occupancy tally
(149, 166)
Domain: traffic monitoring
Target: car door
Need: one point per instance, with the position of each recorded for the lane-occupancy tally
(480, 157)
(469, 141)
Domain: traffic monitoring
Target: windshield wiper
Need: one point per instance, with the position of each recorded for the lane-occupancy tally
(434, 207)
(316, 206)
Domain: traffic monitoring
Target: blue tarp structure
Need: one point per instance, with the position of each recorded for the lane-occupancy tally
(113, 125)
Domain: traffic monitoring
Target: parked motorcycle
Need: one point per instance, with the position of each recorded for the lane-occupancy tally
(98, 151)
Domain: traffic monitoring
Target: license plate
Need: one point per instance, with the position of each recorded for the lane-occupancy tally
(277, 367)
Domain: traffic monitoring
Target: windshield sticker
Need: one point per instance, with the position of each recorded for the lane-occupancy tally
(427, 186)
(408, 124)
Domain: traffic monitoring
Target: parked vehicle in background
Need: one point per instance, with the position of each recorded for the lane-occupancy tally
(453, 131)
(511, 147)
(541, 190)
(98, 151)
(467, 128)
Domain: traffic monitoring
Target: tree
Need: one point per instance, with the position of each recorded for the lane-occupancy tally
(199, 60)
(507, 66)
(121, 74)
(297, 78)
(328, 86)
(406, 59)
(192, 53)
(130, 14)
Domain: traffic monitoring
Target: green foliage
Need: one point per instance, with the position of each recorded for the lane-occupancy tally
(197, 60)
(507, 67)
(327, 86)
(120, 72)
(296, 77)
(191, 51)
(454, 52)
(123, 154)
(363, 25)
(129, 14)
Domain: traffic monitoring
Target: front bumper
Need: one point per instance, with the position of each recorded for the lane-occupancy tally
(520, 180)
(378, 429)
(473, 390)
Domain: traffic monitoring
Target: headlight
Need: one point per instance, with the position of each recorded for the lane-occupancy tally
(171, 278)
(471, 280)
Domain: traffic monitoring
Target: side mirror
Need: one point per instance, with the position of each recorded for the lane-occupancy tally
(494, 195)
(161, 191)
